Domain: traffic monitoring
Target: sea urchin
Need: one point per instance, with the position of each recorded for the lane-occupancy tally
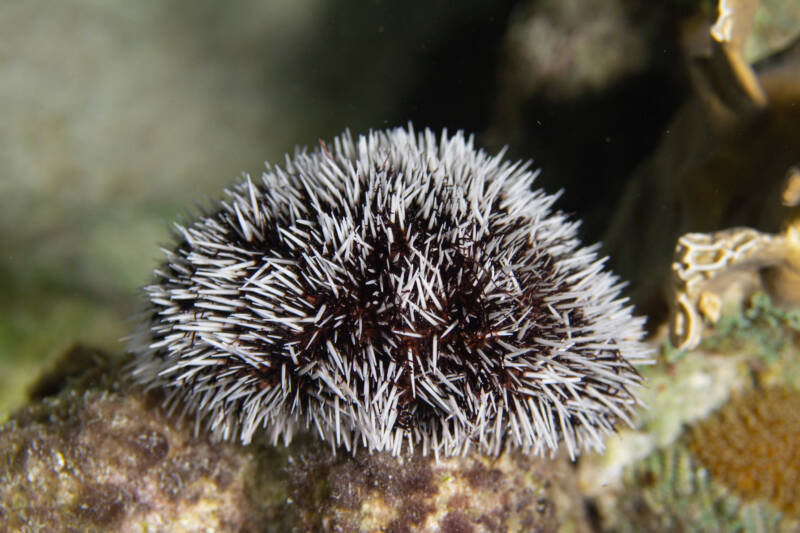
(392, 292)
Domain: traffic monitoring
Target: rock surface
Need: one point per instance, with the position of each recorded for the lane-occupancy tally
(99, 456)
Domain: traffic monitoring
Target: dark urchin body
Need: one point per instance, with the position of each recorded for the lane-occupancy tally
(392, 292)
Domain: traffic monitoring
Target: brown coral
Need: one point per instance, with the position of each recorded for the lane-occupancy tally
(751, 445)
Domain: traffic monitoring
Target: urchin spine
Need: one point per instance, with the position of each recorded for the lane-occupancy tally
(392, 292)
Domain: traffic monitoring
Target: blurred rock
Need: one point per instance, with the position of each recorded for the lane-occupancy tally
(565, 49)
(584, 90)
(722, 162)
(776, 24)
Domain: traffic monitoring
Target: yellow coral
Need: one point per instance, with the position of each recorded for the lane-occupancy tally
(751, 445)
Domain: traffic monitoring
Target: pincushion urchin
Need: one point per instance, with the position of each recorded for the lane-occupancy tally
(392, 292)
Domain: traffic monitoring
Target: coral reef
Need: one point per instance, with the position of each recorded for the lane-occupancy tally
(681, 468)
(736, 470)
(108, 132)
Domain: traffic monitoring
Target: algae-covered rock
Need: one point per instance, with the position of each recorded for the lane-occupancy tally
(379, 492)
(103, 461)
(736, 470)
(98, 455)
(716, 448)
(670, 490)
